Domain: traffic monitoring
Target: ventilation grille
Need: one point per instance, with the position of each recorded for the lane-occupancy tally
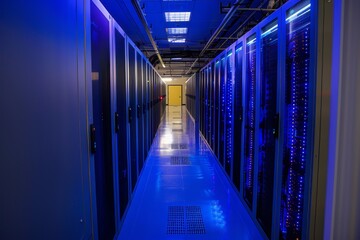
(177, 130)
(175, 160)
(179, 146)
(185, 220)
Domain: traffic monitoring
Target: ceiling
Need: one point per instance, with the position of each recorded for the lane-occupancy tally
(205, 17)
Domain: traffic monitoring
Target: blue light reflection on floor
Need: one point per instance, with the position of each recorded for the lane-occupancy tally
(198, 181)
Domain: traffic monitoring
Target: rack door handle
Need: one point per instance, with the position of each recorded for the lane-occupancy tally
(92, 138)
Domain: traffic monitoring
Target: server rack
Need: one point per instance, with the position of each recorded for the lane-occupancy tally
(121, 119)
(228, 154)
(216, 106)
(273, 100)
(238, 113)
(250, 119)
(298, 120)
(268, 112)
(222, 109)
(101, 128)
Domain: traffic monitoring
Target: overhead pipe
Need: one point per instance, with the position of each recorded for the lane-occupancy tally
(147, 29)
(223, 23)
(243, 24)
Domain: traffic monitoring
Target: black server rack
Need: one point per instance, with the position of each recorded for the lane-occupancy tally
(238, 114)
(101, 132)
(206, 109)
(212, 106)
(268, 124)
(297, 121)
(132, 115)
(121, 121)
(250, 115)
(217, 107)
(228, 154)
(139, 113)
(222, 110)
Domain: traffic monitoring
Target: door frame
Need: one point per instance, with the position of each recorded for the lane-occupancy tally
(168, 95)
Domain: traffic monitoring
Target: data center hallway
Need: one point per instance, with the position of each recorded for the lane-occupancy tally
(182, 192)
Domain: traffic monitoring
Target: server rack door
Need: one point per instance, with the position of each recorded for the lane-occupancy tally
(222, 111)
(208, 104)
(202, 102)
(228, 155)
(145, 109)
(121, 122)
(238, 114)
(250, 103)
(132, 115)
(212, 107)
(297, 121)
(139, 113)
(268, 124)
(217, 102)
(100, 64)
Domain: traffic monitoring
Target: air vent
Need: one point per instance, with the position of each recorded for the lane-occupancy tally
(176, 160)
(185, 220)
(179, 146)
(177, 130)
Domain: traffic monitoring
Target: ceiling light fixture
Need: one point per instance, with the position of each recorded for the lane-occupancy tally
(176, 30)
(177, 16)
(176, 40)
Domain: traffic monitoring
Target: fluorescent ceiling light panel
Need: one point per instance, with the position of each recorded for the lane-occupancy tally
(176, 40)
(176, 30)
(167, 79)
(177, 16)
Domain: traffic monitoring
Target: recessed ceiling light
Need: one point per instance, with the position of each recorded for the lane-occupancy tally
(177, 16)
(176, 59)
(167, 79)
(176, 40)
(176, 30)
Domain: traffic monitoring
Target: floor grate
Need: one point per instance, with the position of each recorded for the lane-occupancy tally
(177, 130)
(185, 220)
(179, 146)
(176, 160)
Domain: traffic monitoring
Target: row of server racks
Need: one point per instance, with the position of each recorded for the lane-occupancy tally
(128, 103)
(257, 104)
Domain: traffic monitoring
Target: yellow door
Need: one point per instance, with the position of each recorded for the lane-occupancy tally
(175, 95)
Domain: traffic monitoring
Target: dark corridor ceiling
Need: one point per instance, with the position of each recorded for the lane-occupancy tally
(205, 18)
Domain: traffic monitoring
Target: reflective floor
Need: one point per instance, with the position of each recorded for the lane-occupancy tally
(182, 192)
